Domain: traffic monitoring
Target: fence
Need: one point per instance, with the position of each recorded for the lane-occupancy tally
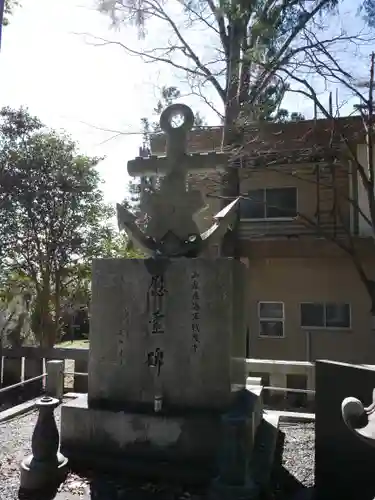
(18, 365)
(25, 368)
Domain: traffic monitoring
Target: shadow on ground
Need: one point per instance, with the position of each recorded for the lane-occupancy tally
(110, 488)
(283, 486)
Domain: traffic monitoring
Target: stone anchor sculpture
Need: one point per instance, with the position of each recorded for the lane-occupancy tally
(167, 393)
(171, 231)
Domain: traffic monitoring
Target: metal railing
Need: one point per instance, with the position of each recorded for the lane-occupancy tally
(85, 374)
(24, 382)
(75, 376)
(290, 389)
(52, 389)
(78, 374)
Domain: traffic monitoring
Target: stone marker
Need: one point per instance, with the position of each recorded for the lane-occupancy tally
(55, 379)
(166, 387)
(178, 327)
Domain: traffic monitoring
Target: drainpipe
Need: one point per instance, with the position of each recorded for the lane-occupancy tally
(308, 346)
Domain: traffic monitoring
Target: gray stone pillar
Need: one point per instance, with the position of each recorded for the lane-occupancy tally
(311, 383)
(80, 381)
(277, 379)
(45, 468)
(55, 379)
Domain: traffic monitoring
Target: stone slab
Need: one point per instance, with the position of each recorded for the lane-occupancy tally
(153, 444)
(344, 465)
(96, 432)
(185, 315)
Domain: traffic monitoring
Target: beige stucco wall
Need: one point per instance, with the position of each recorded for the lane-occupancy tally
(293, 281)
(364, 228)
(304, 178)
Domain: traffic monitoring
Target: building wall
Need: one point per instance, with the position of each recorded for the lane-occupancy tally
(209, 184)
(364, 228)
(288, 264)
(293, 281)
(316, 201)
(320, 197)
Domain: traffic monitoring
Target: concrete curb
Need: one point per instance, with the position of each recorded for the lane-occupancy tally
(27, 407)
(293, 416)
(18, 410)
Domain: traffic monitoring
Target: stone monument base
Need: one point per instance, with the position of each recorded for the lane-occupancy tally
(185, 447)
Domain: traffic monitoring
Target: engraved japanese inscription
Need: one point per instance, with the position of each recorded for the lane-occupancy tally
(195, 310)
(155, 304)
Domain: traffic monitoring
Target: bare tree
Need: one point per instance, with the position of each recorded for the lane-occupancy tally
(245, 45)
(344, 154)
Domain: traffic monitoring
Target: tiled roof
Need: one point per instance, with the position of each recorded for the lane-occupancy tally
(270, 137)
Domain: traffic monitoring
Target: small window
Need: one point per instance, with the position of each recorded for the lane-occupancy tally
(271, 319)
(253, 207)
(325, 315)
(281, 203)
(270, 203)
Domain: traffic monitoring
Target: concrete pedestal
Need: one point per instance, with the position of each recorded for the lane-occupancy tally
(129, 441)
(187, 446)
(42, 476)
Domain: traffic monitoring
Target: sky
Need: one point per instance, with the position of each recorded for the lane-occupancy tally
(49, 66)
(72, 85)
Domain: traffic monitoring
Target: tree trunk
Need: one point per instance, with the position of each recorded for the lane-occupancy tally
(42, 322)
(231, 177)
(57, 305)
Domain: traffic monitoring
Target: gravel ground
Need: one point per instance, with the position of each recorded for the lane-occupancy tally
(15, 439)
(299, 453)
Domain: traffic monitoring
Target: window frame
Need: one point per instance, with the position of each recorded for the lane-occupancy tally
(276, 219)
(325, 327)
(282, 320)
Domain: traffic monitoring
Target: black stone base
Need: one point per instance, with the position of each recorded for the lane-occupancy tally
(197, 474)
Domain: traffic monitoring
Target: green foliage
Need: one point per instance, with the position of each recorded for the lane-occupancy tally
(76, 289)
(115, 245)
(250, 41)
(8, 10)
(52, 217)
(367, 9)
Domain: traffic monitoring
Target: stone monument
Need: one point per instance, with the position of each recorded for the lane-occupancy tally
(167, 376)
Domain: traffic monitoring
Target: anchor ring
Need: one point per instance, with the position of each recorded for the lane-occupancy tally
(173, 110)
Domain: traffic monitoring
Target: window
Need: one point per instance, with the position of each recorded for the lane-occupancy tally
(271, 319)
(270, 203)
(328, 315)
